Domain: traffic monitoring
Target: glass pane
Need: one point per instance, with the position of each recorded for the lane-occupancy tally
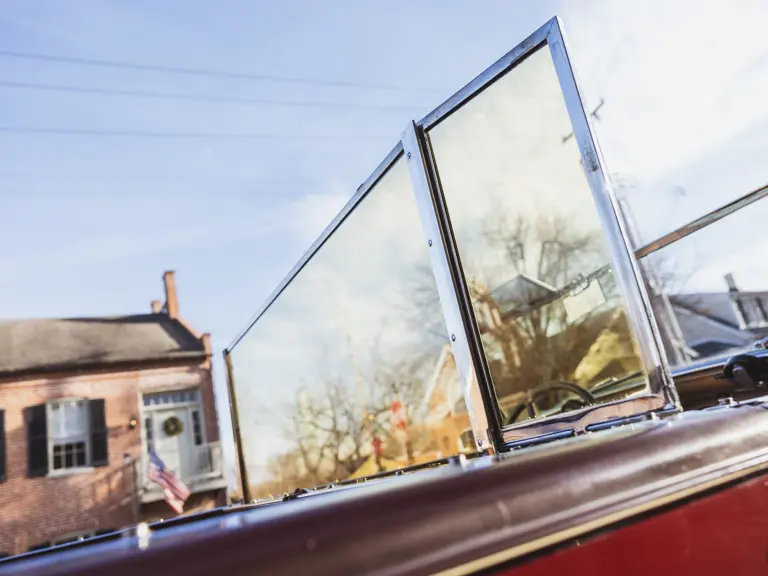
(196, 427)
(349, 371)
(552, 321)
(78, 418)
(715, 179)
(58, 462)
(710, 294)
(80, 454)
(69, 453)
(55, 421)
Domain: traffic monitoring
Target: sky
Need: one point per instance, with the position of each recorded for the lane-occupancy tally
(230, 194)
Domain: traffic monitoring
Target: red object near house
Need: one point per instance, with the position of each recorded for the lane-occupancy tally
(399, 417)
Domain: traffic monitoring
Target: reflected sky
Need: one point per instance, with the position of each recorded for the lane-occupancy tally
(349, 319)
(502, 157)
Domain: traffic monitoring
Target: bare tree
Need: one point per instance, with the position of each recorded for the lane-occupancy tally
(329, 432)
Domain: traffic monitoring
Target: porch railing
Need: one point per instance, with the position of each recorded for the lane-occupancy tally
(205, 463)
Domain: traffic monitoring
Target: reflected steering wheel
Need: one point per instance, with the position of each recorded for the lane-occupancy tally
(585, 399)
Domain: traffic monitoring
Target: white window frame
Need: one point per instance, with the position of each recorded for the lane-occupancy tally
(146, 411)
(85, 437)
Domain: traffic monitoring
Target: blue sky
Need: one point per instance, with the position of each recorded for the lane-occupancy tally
(89, 223)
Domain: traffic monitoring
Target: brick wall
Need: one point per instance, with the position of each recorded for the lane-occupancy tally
(36, 510)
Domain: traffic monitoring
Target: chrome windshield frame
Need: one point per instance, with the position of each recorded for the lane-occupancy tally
(462, 326)
(662, 394)
(479, 399)
(361, 192)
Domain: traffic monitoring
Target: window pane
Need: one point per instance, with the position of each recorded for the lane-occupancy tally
(710, 294)
(80, 454)
(58, 460)
(69, 451)
(56, 421)
(552, 321)
(358, 332)
(173, 397)
(196, 427)
(721, 176)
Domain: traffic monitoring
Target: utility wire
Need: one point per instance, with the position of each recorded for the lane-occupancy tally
(126, 65)
(196, 97)
(35, 131)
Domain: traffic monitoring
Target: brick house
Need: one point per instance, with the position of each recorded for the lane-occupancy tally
(81, 402)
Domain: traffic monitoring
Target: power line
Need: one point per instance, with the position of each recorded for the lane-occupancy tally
(126, 65)
(35, 131)
(146, 94)
(594, 114)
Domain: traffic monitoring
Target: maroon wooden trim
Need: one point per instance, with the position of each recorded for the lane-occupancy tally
(442, 518)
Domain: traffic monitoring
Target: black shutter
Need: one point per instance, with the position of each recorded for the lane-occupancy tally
(99, 434)
(37, 440)
(2, 446)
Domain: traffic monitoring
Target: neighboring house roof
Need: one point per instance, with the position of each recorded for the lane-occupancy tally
(716, 306)
(722, 307)
(698, 326)
(31, 346)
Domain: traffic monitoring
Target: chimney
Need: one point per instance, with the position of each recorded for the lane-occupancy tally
(731, 283)
(206, 340)
(157, 307)
(171, 299)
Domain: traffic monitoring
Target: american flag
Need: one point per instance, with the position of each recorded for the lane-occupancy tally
(174, 490)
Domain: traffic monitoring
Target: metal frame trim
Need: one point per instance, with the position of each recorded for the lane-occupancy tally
(702, 222)
(628, 275)
(245, 489)
(580, 420)
(437, 237)
(362, 190)
(488, 76)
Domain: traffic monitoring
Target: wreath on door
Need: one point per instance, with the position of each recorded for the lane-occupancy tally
(173, 426)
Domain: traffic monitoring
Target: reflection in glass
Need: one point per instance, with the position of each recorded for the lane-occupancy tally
(709, 290)
(349, 371)
(551, 318)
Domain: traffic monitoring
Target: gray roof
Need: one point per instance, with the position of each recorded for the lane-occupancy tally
(718, 306)
(521, 292)
(29, 346)
(697, 327)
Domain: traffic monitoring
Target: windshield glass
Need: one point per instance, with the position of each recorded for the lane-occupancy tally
(552, 321)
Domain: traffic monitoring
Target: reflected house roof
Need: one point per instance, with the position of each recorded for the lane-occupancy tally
(714, 322)
(521, 292)
(443, 392)
(43, 345)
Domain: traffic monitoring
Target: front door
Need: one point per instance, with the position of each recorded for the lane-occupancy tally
(173, 439)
